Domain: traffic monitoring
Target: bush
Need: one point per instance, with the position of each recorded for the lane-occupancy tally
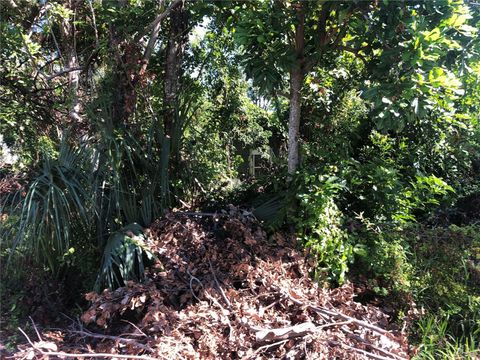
(319, 225)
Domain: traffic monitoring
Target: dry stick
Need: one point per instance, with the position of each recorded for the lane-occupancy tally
(36, 330)
(343, 316)
(367, 343)
(94, 355)
(219, 287)
(191, 283)
(364, 352)
(265, 347)
(136, 327)
(355, 321)
(111, 337)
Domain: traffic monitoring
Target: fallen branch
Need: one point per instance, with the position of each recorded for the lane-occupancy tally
(219, 287)
(340, 315)
(361, 351)
(265, 347)
(88, 355)
(370, 345)
(298, 330)
(115, 338)
(285, 333)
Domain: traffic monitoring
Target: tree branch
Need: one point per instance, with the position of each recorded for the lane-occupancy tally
(155, 26)
(64, 71)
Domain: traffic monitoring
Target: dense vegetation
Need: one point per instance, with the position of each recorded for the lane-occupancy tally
(353, 124)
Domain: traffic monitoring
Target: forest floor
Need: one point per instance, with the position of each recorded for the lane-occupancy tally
(221, 289)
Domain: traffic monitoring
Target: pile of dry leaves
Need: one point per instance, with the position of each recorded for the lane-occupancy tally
(220, 289)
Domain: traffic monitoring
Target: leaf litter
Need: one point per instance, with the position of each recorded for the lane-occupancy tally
(221, 289)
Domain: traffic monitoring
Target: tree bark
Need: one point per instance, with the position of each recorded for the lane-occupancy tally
(174, 56)
(296, 81)
(297, 74)
(71, 58)
(173, 64)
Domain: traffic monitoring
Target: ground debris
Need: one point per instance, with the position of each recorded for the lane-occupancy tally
(222, 290)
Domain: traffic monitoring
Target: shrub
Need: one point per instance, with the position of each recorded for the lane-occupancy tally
(318, 222)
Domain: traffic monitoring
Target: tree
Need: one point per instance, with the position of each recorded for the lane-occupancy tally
(294, 37)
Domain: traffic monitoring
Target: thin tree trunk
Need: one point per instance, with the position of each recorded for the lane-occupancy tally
(175, 50)
(296, 81)
(71, 57)
(174, 56)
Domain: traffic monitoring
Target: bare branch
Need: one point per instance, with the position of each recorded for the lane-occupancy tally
(64, 71)
(155, 26)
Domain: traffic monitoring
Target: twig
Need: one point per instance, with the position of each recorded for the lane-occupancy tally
(340, 315)
(36, 330)
(94, 355)
(26, 336)
(111, 337)
(265, 347)
(219, 287)
(353, 320)
(369, 344)
(191, 282)
(361, 351)
(136, 327)
(192, 213)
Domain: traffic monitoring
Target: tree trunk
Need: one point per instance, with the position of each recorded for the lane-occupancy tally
(297, 74)
(71, 58)
(296, 82)
(173, 63)
(175, 50)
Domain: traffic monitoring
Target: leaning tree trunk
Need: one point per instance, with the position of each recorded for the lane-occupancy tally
(296, 81)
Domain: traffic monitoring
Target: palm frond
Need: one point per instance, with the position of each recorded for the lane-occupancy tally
(123, 258)
(57, 203)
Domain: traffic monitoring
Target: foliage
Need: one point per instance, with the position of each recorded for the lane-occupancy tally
(438, 270)
(56, 210)
(437, 343)
(389, 137)
(319, 226)
(382, 255)
(123, 258)
(447, 276)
